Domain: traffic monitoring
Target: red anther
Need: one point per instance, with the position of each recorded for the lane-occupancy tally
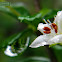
(47, 30)
(54, 26)
(55, 29)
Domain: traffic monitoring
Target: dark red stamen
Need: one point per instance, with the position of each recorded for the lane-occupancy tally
(54, 26)
(47, 30)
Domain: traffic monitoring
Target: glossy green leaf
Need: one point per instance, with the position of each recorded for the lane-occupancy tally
(16, 37)
(20, 8)
(45, 11)
(32, 20)
(18, 42)
(48, 13)
(15, 11)
(51, 14)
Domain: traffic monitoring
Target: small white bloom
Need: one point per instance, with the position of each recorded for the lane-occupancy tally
(9, 52)
(52, 32)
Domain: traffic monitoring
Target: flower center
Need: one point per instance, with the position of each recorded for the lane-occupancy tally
(52, 25)
(47, 30)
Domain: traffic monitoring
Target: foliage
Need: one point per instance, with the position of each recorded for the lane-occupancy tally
(18, 40)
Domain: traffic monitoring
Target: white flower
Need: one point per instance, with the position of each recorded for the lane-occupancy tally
(9, 52)
(52, 32)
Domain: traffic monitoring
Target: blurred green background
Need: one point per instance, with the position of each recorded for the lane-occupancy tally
(9, 25)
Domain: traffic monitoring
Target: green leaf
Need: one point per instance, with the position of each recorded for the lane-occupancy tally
(29, 18)
(16, 37)
(33, 20)
(21, 10)
(48, 13)
(10, 40)
(45, 11)
(15, 11)
(18, 42)
(10, 11)
(51, 14)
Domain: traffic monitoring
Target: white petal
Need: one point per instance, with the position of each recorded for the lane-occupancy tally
(9, 52)
(58, 21)
(40, 41)
(56, 39)
(40, 27)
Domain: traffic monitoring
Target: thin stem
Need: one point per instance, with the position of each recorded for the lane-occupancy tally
(37, 5)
